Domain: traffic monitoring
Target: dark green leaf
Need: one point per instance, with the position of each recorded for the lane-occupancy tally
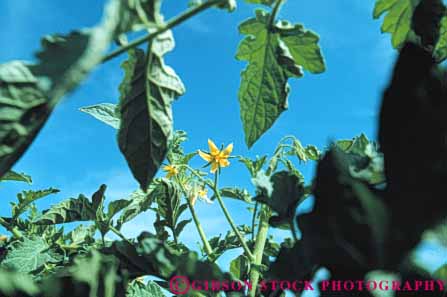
(70, 210)
(29, 93)
(104, 112)
(180, 226)
(147, 91)
(287, 194)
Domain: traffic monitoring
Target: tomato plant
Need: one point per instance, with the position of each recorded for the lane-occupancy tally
(373, 200)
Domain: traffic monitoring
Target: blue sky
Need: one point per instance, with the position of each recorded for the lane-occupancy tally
(76, 153)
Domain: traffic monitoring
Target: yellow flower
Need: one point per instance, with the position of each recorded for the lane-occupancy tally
(3, 238)
(217, 158)
(200, 193)
(171, 170)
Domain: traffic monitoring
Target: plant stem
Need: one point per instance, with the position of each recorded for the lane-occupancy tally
(253, 221)
(230, 220)
(206, 244)
(293, 230)
(170, 24)
(117, 232)
(261, 239)
(15, 232)
(275, 12)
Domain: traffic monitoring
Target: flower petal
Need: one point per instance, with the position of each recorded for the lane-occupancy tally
(224, 163)
(205, 156)
(227, 151)
(213, 148)
(214, 167)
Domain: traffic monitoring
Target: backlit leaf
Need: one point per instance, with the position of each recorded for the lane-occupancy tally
(274, 54)
(15, 176)
(398, 18)
(104, 112)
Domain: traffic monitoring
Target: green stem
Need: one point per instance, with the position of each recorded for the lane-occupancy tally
(230, 220)
(117, 232)
(206, 244)
(275, 12)
(15, 232)
(253, 221)
(293, 230)
(170, 24)
(206, 182)
(261, 239)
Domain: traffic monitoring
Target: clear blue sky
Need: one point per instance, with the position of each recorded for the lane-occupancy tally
(76, 153)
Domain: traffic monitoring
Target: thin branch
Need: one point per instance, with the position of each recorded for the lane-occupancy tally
(170, 24)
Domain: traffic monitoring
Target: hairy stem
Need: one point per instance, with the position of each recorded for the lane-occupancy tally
(261, 239)
(229, 219)
(206, 244)
(170, 24)
(15, 232)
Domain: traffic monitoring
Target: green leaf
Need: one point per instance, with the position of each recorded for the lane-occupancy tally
(67, 211)
(17, 284)
(180, 226)
(29, 255)
(140, 202)
(263, 92)
(220, 246)
(91, 275)
(168, 200)
(15, 176)
(116, 206)
(264, 2)
(151, 289)
(139, 15)
(313, 153)
(81, 235)
(104, 112)
(240, 267)
(26, 198)
(29, 93)
(440, 51)
(441, 273)
(235, 193)
(273, 55)
(303, 46)
(288, 193)
(147, 91)
(398, 19)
